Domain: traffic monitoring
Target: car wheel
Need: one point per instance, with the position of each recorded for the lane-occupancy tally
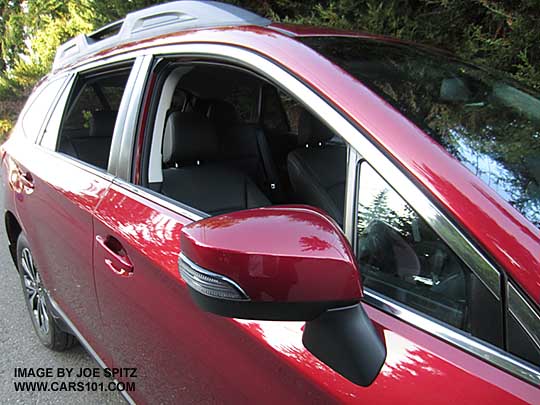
(35, 295)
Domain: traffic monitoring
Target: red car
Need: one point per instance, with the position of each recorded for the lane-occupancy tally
(251, 212)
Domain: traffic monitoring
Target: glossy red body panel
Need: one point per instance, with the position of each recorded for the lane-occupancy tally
(307, 260)
(501, 230)
(57, 220)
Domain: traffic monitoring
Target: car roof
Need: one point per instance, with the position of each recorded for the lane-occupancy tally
(508, 237)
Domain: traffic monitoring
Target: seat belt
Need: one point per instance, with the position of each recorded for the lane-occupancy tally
(267, 168)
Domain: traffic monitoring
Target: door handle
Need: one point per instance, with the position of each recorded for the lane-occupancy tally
(118, 262)
(27, 182)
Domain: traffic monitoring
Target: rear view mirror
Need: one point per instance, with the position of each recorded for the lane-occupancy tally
(285, 263)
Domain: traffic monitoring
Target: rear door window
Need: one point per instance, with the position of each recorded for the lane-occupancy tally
(89, 119)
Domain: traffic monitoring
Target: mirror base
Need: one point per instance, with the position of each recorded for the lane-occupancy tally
(346, 340)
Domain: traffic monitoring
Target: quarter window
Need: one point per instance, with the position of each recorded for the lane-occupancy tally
(39, 106)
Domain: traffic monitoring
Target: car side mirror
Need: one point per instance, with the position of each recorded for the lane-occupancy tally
(288, 263)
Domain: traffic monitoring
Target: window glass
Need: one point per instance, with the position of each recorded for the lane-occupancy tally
(90, 117)
(523, 327)
(273, 116)
(209, 157)
(484, 119)
(245, 101)
(401, 257)
(35, 115)
(293, 110)
(50, 135)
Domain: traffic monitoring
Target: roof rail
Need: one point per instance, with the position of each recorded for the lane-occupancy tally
(157, 20)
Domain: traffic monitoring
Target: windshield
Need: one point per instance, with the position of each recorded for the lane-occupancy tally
(489, 123)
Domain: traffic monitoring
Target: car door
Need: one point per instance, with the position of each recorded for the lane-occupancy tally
(182, 354)
(68, 185)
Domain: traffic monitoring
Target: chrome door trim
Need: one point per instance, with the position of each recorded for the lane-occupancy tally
(443, 225)
(84, 342)
(122, 146)
(400, 182)
(476, 347)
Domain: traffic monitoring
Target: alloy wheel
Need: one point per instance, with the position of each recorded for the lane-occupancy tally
(35, 293)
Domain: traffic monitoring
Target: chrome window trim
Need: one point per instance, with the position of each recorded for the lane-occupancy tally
(120, 157)
(524, 313)
(34, 96)
(84, 342)
(480, 349)
(351, 197)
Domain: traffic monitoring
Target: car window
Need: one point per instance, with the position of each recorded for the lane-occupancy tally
(35, 114)
(211, 157)
(401, 257)
(273, 115)
(50, 135)
(90, 117)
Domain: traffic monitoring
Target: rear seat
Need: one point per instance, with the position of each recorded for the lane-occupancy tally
(93, 148)
(245, 147)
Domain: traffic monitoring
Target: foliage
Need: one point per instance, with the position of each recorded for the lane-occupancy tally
(498, 33)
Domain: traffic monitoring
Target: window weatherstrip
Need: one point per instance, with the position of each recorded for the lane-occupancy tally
(446, 229)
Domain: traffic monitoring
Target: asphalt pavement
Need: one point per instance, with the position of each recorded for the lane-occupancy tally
(20, 348)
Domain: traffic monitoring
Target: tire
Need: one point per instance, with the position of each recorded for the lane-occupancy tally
(45, 326)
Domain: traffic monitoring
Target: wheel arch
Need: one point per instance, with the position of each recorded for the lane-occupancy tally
(13, 230)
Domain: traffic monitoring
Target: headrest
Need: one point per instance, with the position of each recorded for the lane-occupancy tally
(189, 137)
(311, 130)
(454, 90)
(222, 112)
(102, 123)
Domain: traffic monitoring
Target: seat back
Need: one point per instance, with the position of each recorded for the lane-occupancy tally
(317, 168)
(92, 146)
(195, 176)
(245, 147)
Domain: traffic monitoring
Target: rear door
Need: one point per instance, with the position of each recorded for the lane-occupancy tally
(55, 208)
(65, 185)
